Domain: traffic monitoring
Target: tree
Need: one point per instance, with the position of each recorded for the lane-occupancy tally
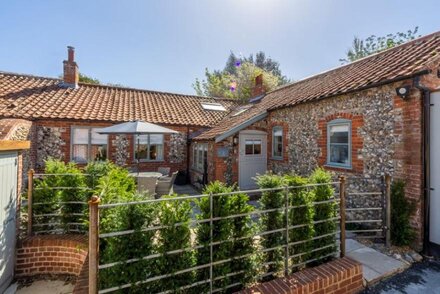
(89, 80)
(373, 44)
(237, 79)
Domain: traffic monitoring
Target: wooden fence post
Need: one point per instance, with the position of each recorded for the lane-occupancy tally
(388, 210)
(342, 182)
(93, 244)
(30, 200)
(286, 212)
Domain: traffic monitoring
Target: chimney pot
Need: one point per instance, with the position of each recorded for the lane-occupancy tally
(70, 72)
(70, 53)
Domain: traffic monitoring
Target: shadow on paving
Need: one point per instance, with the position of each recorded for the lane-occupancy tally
(422, 277)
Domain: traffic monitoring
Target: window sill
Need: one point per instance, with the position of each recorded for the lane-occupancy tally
(147, 161)
(277, 158)
(197, 170)
(341, 167)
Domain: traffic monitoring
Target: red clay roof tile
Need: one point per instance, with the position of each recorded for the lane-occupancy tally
(402, 61)
(31, 97)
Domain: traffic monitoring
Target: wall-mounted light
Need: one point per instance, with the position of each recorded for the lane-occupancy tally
(403, 92)
(235, 141)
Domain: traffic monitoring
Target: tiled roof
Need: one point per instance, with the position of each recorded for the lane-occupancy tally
(30, 97)
(403, 61)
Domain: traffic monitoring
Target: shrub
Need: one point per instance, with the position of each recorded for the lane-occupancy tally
(301, 215)
(116, 185)
(322, 212)
(243, 228)
(401, 209)
(65, 183)
(272, 220)
(225, 230)
(130, 246)
(95, 170)
(173, 238)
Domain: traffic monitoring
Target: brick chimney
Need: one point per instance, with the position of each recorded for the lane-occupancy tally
(71, 72)
(258, 88)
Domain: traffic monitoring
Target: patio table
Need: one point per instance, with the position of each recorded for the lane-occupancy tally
(146, 175)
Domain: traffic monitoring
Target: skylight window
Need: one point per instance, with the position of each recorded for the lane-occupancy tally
(240, 110)
(213, 106)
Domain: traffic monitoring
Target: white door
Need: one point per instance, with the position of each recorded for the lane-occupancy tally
(8, 205)
(434, 201)
(252, 159)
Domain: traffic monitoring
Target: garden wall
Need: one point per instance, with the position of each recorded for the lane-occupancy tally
(51, 254)
(339, 276)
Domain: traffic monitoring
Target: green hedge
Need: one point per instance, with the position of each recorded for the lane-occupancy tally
(45, 192)
(302, 215)
(323, 212)
(228, 230)
(113, 184)
(272, 220)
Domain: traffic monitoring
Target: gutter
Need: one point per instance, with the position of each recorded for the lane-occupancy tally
(241, 126)
(426, 122)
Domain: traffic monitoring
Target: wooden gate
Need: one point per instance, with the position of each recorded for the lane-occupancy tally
(8, 207)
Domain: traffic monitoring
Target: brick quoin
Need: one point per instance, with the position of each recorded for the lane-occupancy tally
(338, 276)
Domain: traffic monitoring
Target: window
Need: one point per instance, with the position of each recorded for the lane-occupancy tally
(88, 145)
(241, 109)
(252, 147)
(213, 106)
(200, 156)
(150, 147)
(277, 142)
(338, 143)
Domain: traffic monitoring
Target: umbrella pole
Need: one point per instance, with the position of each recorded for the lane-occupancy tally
(138, 154)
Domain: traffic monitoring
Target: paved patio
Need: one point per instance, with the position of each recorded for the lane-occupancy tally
(423, 277)
(375, 265)
(185, 190)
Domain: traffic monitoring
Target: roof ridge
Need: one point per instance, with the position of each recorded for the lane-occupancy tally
(117, 87)
(422, 38)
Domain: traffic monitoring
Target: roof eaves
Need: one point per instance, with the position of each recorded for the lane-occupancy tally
(372, 85)
(241, 126)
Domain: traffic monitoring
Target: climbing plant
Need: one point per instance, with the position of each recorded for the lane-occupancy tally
(401, 231)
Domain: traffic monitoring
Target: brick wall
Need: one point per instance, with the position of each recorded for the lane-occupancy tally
(64, 127)
(408, 154)
(342, 276)
(51, 254)
(357, 121)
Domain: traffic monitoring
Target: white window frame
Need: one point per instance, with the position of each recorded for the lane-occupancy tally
(135, 139)
(89, 142)
(253, 143)
(339, 122)
(275, 129)
(197, 162)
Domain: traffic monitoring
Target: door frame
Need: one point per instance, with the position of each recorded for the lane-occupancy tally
(264, 148)
(429, 247)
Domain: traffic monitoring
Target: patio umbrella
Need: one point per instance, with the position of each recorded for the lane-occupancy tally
(136, 128)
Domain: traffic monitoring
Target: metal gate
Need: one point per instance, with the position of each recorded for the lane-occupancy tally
(8, 206)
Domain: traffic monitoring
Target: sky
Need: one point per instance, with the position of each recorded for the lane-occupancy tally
(165, 45)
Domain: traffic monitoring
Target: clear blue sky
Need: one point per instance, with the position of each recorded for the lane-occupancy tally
(164, 45)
